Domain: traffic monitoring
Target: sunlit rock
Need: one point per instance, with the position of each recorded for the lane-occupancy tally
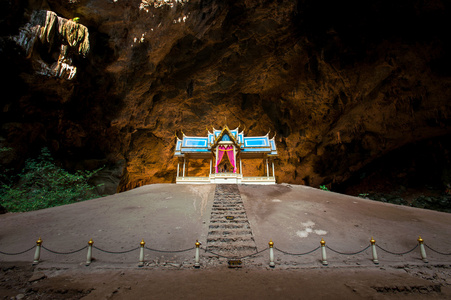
(53, 32)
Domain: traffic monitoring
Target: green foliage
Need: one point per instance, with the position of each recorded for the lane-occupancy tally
(324, 188)
(43, 184)
(364, 195)
(5, 179)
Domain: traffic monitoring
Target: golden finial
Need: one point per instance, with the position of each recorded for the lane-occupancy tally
(91, 242)
(197, 244)
(182, 132)
(372, 241)
(271, 244)
(39, 242)
(142, 243)
(420, 240)
(323, 243)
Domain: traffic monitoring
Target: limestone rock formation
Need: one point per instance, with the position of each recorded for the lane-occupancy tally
(342, 84)
(50, 29)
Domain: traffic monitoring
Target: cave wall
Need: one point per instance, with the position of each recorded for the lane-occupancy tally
(341, 84)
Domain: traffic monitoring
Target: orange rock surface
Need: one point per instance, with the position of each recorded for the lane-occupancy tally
(340, 83)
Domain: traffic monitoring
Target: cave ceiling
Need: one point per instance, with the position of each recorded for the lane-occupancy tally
(340, 84)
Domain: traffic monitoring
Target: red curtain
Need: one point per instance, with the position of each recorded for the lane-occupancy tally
(229, 150)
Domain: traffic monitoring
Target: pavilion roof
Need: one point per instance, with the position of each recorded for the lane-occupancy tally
(254, 146)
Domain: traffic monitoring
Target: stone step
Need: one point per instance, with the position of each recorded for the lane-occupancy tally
(249, 248)
(217, 208)
(224, 218)
(228, 201)
(222, 196)
(232, 213)
(235, 212)
(227, 226)
(228, 204)
(225, 221)
(217, 240)
(230, 232)
(232, 238)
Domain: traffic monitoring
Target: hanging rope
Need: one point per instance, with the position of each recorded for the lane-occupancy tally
(17, 253)
(394, 253)
(441, 253)
(116, 252)
(343, 253)
(64, 253)
(297, 254)
(170, 251)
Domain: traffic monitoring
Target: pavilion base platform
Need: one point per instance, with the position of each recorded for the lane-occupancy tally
(224, 178)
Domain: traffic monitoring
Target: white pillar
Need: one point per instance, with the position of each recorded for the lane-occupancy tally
(234, 156)
(184, 160)
(210, 165)
(178, 169)
(273, 174)
(241, 168)
(267, 168)
(216, 160)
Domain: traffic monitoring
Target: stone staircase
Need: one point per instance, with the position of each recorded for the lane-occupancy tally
(229, 232)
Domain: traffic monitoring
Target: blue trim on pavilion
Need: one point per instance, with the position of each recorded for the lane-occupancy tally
(214, 145)
(255, 144)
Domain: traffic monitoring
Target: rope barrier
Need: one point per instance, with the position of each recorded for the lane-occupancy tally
(441, 253)
(64, 253)
(253, 254)
(343, 253)
(170, 251)
(323, 246)
(17, 253)
(394, 253)
(297, 254)
(116, 252)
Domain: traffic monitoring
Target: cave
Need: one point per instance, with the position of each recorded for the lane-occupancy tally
(356, 93)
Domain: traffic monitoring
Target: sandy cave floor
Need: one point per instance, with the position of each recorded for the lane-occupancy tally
(173, 217)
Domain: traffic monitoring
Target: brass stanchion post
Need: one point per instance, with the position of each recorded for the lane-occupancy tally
(422, 250)
(373, 249)
(271, 254)
(323, 253)
(37, 253)
(89, 256)
(141, 253)
(197, 257)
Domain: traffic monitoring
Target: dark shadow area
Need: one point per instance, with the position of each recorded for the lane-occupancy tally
(418, 175)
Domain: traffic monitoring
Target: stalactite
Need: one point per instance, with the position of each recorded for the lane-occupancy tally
(76, 35)
(49, 28)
